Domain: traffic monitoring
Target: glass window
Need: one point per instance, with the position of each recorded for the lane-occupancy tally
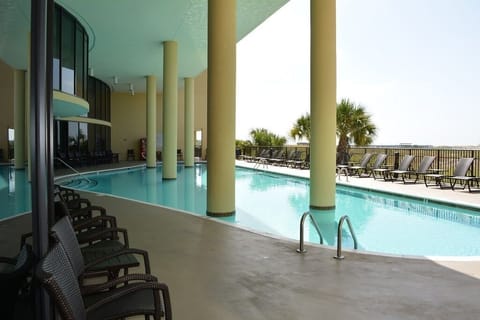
(83, 137)
(56, 49)
(79, 62)
(56, 74)
(68, 54)
(72, 137)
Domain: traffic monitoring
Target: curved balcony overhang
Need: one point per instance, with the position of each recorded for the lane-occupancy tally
(86, 120)
(67, 105)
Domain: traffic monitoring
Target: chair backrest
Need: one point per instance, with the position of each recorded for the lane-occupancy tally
(342, 158)
(405, 163)
(276, 154)
(365, 159)
(56, 274)
(462, 166)
(290, 154)
(65, 235)
(298, 155)
(425, 164)
(379, 160)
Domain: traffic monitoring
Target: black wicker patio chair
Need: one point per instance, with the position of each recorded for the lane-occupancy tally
(107, 301)
(14, 274)
(98, 260)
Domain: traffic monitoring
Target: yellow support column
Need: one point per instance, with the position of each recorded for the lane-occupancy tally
(19, 118)
(221, 107)
(189, 120)
(151, 121)
(170, 110)
(323, 91)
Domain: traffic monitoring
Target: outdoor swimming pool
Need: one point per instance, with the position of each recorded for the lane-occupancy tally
(273, 203)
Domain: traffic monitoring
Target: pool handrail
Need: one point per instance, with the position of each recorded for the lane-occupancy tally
(339, 237)
(301, 249)
(78, 173)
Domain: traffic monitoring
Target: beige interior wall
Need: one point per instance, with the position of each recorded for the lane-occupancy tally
(6, 105)
(128, 118)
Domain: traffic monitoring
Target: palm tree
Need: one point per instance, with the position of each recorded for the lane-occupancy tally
(301, 128)
(353, 124)
(263, 137)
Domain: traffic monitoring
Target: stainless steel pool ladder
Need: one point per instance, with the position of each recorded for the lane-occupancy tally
(339, 236)
(302, 222)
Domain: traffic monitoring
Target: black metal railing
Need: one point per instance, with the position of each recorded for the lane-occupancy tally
(445, 157)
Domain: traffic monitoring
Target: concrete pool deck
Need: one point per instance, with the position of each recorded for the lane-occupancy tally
(217, 271)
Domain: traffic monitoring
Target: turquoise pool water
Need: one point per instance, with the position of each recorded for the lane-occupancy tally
(274, 204)
(15, 196)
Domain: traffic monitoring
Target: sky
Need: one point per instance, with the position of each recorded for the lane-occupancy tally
(414, 65)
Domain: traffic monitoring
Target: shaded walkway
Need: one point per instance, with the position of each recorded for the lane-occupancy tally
(216, 271)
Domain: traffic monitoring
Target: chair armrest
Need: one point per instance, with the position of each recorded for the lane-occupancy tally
(24, 237)
(102, 235)
(105, 221)
(126, 279)
(155, 286)
(143, 253)
(8, 260)
(87, 212)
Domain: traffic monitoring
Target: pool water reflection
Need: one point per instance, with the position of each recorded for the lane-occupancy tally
(15, 194)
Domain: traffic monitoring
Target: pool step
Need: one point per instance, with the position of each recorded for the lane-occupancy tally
(81, 183)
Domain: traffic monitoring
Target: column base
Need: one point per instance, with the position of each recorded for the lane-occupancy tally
(322, 207)
(220, 214)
